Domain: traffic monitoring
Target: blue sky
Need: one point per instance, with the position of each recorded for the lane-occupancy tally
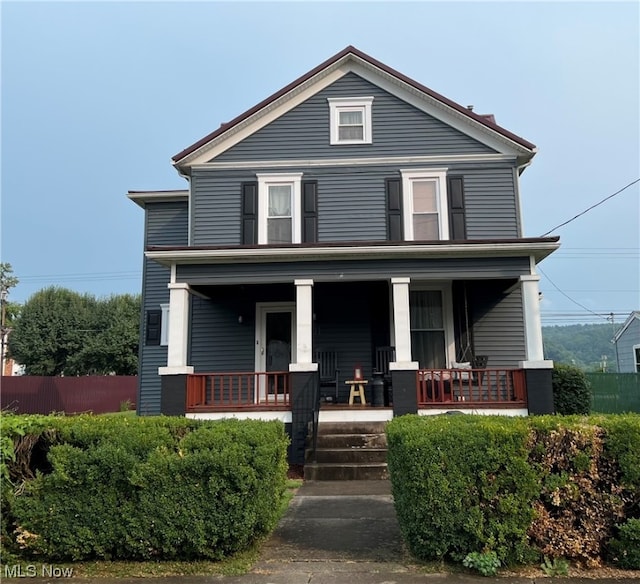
(97, 97)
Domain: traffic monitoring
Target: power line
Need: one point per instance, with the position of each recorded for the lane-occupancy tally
(569, 297)
(589, 209)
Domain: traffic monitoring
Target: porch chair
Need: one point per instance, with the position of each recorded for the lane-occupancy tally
(329, 373)
(384, 355)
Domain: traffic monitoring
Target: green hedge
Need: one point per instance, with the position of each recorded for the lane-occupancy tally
(462, 484)
(141, 488)
(524, 488)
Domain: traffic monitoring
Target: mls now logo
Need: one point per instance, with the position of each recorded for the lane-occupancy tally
(31, 571)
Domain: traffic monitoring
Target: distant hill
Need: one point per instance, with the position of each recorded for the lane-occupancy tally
(583, 345)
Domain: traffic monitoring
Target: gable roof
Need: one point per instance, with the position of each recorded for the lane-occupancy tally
(633, 316)
(350, 59)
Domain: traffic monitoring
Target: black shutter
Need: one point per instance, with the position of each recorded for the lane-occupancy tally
(154, 327)
(457, 221)
(394, 209)
(309, 211)
(250, 213)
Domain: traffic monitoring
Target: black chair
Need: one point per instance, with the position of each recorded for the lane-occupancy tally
(384, 355)
(329, 373)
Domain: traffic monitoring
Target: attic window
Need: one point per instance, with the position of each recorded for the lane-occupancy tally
(350, 120)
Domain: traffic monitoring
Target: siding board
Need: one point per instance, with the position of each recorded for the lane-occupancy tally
(165, 224)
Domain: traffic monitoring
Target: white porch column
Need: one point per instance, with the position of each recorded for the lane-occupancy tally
(402, 325)
(532, 322)
(304, 327)
(178, 331)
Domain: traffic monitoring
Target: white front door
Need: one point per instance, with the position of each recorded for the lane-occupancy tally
(275, 340)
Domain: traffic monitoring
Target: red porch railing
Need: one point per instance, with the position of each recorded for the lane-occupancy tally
(471, 387)
(238, 391)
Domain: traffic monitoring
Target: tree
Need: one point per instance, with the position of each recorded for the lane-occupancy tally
(113, 346)
(61, 332)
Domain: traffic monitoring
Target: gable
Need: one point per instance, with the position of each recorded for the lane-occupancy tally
(350, 60)
(399, 128)
(630, 329)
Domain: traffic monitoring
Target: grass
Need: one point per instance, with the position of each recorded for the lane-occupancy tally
(235, 565)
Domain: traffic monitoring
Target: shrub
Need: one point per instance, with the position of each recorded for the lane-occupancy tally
(487, 563)
(547, 486)
(625, 549)
(571, 390)
(581, 500)
(163, 488)
(462, 483)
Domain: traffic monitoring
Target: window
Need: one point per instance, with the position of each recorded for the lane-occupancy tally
(350, 120)
(425, 204)
(164, 326)
(636, 355)
(279, 208)
(430, 320)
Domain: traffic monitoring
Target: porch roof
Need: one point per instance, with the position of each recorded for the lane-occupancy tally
(538, 247)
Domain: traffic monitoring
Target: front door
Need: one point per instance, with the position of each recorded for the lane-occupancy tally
(275, 343)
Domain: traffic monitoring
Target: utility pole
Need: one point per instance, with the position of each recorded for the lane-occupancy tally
(7, 281)
(3, 331)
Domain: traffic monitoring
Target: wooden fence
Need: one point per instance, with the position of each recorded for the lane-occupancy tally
(26, 394)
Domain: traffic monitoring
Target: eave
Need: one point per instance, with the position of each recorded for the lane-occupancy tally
(142, 198)
(539, 248)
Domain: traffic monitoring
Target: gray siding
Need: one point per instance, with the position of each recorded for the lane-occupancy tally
(218, 341)
(498, 326)
(352, 203)
(627, 340)
(165, 224)
(490, 203)
(398, 129)
(331, 270)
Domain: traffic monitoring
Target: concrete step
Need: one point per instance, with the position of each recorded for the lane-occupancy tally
(349, 441)
(345, 472)
(350, 427)
(348, 455)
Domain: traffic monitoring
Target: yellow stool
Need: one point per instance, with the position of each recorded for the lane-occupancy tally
(357, 390)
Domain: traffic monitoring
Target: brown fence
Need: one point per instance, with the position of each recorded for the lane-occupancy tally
(27, 394)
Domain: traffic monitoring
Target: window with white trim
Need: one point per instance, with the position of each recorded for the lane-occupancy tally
(424, 195)
(350, 120)
(279, 208)
(430, 324)
(164, 325)
(636, 357)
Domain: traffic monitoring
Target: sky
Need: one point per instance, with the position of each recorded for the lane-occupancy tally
(97, 96)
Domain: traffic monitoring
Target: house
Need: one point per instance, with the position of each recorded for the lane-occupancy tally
(627, 342)
(355, 219)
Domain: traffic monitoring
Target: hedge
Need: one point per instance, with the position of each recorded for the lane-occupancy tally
(142, 488)
(524, 488)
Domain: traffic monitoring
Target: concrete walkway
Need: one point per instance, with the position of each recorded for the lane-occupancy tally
(346, 532)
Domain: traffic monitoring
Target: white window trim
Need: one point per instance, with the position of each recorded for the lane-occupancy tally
(414, 174)
(264, 181)
(337, 104)
(447, 308)
(164, 325)
(636, 365)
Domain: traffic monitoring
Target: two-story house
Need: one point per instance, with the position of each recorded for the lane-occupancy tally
(354, 220)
